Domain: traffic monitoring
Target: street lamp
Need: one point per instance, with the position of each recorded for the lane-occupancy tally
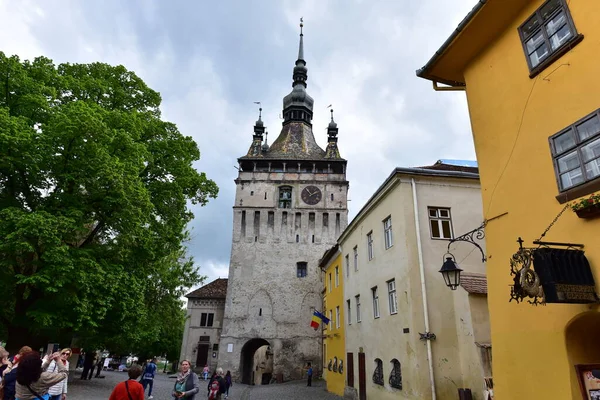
(451, 272)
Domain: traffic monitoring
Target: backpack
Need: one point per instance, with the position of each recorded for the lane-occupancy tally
(214, 390)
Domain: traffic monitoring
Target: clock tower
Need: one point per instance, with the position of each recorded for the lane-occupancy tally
(290, 207)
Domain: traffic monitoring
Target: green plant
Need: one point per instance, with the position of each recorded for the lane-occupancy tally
(585, 202)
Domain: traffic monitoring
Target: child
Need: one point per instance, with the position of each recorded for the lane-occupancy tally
(205, 372)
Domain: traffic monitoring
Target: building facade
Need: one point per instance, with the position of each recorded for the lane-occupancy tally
(407, 333)
(204, 321)
(529, 72)
(334, 351)
(290, 206)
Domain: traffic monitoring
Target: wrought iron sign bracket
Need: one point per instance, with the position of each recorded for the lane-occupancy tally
(576, 245)
(470, 237)
(427, 336)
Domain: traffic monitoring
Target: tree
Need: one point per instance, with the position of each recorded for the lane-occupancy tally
(94, 195)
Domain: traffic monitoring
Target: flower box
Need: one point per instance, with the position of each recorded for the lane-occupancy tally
(591, 211)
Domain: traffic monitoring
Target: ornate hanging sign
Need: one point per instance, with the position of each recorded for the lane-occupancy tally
(552, 275)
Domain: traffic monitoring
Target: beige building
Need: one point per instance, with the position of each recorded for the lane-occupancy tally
(409, 336)
(203, 324)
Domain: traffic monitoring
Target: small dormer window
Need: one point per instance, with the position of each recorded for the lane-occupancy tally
(285, 197)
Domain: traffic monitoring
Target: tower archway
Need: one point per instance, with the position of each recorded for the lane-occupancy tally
(247, 366)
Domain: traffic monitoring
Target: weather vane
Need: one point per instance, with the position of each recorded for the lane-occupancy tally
(259, 109)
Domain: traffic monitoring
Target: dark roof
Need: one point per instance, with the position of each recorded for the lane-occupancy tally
(328, 255)
(217, 289)
(473, 283)
(445, 165)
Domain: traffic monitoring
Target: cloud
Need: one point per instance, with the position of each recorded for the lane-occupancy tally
(210, 64)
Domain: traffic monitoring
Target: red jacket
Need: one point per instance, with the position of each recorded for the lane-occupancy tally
(136, 390)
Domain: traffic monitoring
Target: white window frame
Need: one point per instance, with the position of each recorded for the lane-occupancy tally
(387, 232)
(370, 251)
(348, 303)
(330, 282)
(355, 258)
(392, 296)
(438, 219)
(376, 309)
(337, 317)
(358, 316)
(330, 319)
(337, 276)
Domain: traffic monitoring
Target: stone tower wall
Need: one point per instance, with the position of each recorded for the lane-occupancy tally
(265, 298)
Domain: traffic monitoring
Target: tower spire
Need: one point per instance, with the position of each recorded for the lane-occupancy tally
(301, 47)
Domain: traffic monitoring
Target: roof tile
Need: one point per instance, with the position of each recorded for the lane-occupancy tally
(217, 289)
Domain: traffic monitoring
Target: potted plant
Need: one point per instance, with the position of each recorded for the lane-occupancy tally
(587, 207)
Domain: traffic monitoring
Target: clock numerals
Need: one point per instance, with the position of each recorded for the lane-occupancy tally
(311, 195)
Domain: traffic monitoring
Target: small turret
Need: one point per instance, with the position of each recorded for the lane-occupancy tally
(332, 150)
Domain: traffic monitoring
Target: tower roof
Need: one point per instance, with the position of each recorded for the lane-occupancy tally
(296, 141)
(217, 289)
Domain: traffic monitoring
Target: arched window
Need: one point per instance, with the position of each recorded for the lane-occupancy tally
(285, 197)
(378, 373)
(396, 375)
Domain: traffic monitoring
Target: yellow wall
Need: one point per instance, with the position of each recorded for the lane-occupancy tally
(512, 118)
(334, 337)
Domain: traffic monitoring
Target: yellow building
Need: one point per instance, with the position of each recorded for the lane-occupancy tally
(333, 333)
(530, 72)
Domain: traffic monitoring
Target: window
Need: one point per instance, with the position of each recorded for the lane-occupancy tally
(347, 265)
(349, 306)
(357, 297)
(440, 223)
(356, 258)
(285, 197)
(330, 282)
(546, 33)
(207, 319)
(576, 152)
(330, 319)
(301, 269)
(370, 245)
(216, 347)
(337, 276)
(387, 232)
(392, 297)
(378, 373)
(375, 302)
(396, 375)
(337, 317)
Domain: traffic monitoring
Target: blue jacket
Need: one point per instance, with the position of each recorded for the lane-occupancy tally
(149, 371)
(10, 380)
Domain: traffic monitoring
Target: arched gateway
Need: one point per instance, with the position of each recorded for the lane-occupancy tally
(250, 366)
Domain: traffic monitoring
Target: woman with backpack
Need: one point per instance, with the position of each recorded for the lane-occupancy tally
(187, 383)
(217, 385)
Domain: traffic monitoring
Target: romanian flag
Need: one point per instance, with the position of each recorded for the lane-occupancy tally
(317, 319)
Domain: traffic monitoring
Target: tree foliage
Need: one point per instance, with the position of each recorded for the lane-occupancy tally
(94, 195)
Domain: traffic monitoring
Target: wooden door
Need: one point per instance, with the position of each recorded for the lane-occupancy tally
(350, 369)
(202, 357)
(362, 377)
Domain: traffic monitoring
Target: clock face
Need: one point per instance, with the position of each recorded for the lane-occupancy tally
(311, 195)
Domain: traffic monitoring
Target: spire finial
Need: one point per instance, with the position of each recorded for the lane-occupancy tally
(301, 48)
(260, 112)
(331, 114)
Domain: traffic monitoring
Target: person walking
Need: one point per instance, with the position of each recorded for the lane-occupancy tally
(131, 389)
(88, 365)
(309, 374)
(187, 383)
(217, 385)
(9, 380)
(205, 372)
(33, 379)
(148, 376)
(59, 391)
(228, 383)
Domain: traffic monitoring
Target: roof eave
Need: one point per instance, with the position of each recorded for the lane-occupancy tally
(424, 72)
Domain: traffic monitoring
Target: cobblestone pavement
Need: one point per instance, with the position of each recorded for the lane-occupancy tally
(100, 389)
(289, 391)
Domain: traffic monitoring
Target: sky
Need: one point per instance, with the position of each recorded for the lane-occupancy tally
(212, 60)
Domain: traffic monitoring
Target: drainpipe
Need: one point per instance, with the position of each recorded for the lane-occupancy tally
(423, 289)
